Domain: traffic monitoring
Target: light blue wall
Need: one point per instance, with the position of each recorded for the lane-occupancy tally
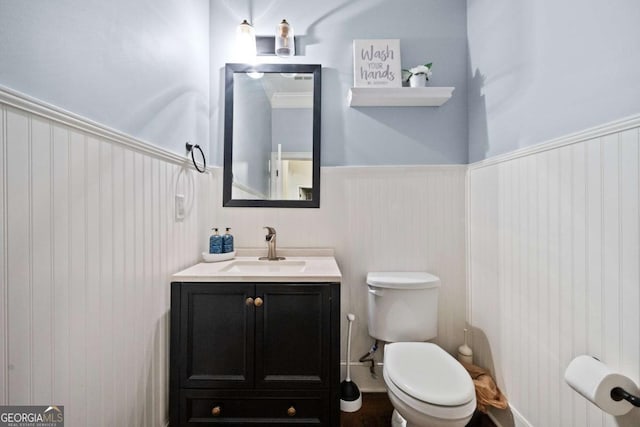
(429, 30)
(536, 70)
(542, 69)
(140, 67)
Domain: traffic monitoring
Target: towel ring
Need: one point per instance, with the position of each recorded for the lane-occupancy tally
(190, 149)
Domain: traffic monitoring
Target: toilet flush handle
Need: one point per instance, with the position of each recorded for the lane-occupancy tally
(376, 292)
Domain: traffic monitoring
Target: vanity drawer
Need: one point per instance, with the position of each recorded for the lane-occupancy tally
(205, 407)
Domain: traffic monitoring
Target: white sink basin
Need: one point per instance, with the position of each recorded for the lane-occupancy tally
(260, 267)
(300, 266)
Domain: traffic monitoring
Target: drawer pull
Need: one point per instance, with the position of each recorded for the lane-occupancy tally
(216, 411)
(249, 301)
(258, 302)
(291, 411)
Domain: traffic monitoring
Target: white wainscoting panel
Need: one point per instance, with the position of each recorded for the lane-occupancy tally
(377, 219)
(554, 263)
(89, 241)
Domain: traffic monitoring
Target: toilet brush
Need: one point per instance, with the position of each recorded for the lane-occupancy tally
(350, 397)
(465, 354)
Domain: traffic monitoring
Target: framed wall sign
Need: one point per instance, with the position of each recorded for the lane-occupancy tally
(376, 63)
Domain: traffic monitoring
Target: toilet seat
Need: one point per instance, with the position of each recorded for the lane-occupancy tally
(429, 380)
(428, 373)
(444, 413)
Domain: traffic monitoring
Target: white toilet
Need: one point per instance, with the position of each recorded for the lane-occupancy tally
(426, 385)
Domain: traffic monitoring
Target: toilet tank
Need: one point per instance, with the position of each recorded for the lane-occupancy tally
(403, 306)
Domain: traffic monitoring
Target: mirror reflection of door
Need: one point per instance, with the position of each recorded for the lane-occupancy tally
(273, 136)
(291, 176)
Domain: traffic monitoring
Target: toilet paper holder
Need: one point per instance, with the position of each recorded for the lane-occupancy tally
(618, 393)
(608, 390)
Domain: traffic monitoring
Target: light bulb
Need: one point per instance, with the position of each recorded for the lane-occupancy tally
(285, 43)
(246, 42)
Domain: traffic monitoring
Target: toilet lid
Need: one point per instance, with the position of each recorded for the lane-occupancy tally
(428, 373)
(403, 280)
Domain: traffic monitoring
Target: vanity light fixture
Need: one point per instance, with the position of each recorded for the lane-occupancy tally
(285, 43)
(248, 45)
(246, 42)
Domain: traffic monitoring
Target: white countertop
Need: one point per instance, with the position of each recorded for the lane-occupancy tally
(316, 269)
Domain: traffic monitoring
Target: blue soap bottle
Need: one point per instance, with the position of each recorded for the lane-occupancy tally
(215, 242)
(227, 242)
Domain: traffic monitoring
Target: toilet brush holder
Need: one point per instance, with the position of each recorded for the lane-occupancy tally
(350, 396)
(465, 354)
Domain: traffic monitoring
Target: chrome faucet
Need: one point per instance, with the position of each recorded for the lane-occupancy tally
(271, 245)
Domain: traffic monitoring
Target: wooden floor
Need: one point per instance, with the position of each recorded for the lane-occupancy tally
(376, 412)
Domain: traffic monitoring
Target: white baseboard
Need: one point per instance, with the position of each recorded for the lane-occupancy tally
(361, 376)
(513, 418)
(495, 421)
(520, 421)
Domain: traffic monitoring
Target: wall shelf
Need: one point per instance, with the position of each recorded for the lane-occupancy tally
(399, 96)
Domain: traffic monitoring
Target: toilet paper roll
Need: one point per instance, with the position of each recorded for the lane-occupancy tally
(594, 380)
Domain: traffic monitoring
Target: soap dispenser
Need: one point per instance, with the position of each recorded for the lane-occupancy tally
(215, 242)
(227, 242)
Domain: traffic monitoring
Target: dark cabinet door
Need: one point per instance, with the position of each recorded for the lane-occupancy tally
(217, 336)
(293, 336)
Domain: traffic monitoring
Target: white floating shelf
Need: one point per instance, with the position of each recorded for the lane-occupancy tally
(399, 96)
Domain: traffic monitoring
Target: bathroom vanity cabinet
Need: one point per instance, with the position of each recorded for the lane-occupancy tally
(254, 354)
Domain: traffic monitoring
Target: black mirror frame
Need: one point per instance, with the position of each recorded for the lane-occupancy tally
(230, 69)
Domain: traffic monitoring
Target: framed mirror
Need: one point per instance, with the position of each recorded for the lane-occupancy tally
(272, 135)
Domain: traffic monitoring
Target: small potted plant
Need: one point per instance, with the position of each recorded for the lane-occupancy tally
(418, 75)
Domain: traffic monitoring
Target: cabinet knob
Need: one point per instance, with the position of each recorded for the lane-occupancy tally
(249, 301)
(291, 411)
(258, 302)
(216, 411)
